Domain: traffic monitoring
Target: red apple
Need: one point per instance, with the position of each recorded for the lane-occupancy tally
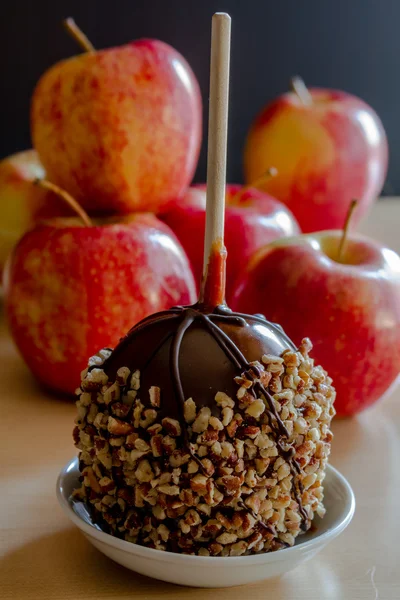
(21, 203)
(349, 309)
(327, 151)
(252, 219)
(70, 289)
(119, 129)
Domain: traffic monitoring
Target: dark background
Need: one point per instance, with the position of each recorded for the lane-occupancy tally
(347, 44)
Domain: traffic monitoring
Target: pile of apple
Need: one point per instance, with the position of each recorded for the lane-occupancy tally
(119, 132)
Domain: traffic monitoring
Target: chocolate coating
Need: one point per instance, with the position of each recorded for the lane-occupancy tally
(205, 367)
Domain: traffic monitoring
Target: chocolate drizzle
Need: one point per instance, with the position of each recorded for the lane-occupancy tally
(178, 323)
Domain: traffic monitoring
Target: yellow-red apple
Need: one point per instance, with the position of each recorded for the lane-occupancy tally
(327, 150)
(119, 129)
(21, 203)
(252, 219)
(70, 289)
(349, 309)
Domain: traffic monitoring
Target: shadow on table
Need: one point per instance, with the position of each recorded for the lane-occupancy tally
(65, 565)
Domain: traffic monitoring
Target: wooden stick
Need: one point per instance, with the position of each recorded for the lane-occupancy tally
(48, 185)
(78, 35)
(213, 284)
(346, 225)
(298, 86)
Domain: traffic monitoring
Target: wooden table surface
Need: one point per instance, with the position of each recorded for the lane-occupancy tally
(42, 556)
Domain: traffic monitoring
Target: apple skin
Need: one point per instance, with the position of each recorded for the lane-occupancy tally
(22, 204)
(71, 290)
(252, 219)
(119, 129)
(326, 154)
(351, 312)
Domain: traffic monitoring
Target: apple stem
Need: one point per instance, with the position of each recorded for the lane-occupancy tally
(78, 35)
(48, 185)
(346, 227)
(271, 172)
(298, 86)
(212, 292)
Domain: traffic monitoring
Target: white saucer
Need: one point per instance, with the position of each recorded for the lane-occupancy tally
(200, 571)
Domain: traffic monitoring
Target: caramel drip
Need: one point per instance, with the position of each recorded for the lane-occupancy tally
(213, 286)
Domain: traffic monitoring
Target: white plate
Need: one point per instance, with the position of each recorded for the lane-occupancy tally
(202, 571)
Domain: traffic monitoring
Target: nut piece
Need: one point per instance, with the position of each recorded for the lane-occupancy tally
(94, 379)
(119, 409)
(172, 426)
(305, 346)
(189, 410)
(291, 359)
(169, 490)
(224, 400)
(201, 422)
(122, 375)
(149, 416)
(163, 532)
(90, 480)
(112, 393)
(199, 484)
(239, 548)
(227, 415)
(117, 427)
(193, 467)
(142, 445)
(135, 380)
(155, 396)
(192, 518)
(226, 538)
(271, 359)
(156, 445)
(256, 409)
(144, 471)
(216, 424)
